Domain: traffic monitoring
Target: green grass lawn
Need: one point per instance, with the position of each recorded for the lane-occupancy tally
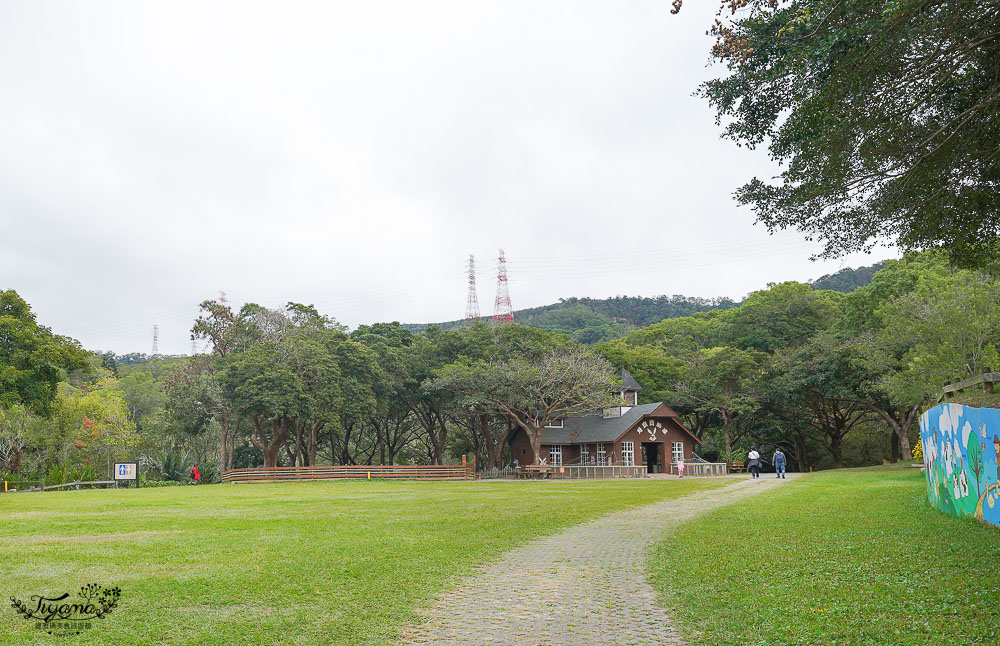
(293, 563)
(854, 556)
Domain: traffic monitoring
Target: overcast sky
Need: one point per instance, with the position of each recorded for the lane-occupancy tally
(352, 154)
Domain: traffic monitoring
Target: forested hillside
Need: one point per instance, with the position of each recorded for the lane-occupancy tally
(847, 279)
(832, 378)
(593, 320)
(596, 320)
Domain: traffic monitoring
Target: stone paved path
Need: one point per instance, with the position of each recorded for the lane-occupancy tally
(584, 585)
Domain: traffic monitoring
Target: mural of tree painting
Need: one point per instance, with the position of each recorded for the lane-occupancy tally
(975, 453)
(957, 451)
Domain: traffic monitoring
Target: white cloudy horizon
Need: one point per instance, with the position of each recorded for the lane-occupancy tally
(351, 156)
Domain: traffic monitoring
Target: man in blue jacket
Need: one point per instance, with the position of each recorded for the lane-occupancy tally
(779, 463)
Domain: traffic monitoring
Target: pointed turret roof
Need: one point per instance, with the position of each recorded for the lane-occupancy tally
(629, 382)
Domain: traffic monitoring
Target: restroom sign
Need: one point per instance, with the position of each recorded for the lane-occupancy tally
(126, 471)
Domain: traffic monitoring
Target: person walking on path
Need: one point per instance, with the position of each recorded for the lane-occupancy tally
(753, 462)
(779, 463)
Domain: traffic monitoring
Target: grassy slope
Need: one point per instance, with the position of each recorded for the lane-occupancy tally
(291, 563)
(842, 557)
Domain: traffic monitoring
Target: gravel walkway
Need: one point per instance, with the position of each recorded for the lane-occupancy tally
(584, 585)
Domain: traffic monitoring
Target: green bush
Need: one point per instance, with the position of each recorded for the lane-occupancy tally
(146, 482)
(14, 478)
(210, 473)
(63, 474)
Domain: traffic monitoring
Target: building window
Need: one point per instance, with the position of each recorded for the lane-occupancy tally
(602, 456)
(524, 451)
(677, 449)
(554, 423)
(628, 454)
(584, 454)
(555, 455)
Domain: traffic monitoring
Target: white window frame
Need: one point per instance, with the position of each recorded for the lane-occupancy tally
(677, 451)
(584, 454)
(628, 454)
(602, 455)
(555, 423)
(556, 455)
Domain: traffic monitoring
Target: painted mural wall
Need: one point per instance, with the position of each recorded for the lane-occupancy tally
(962, 460)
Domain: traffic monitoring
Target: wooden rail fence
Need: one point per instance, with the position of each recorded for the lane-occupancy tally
(987, 379)
(702, 468)
(579, 472)
(273, 474)
(77, 484)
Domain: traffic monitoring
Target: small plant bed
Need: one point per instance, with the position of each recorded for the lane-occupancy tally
(852, 556)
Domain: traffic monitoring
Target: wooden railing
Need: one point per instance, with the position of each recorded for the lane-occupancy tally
(273, 474)
(77, 484)
(701, 468)
(987, 379)
(38, 485)
(498, 472)
(576, 472)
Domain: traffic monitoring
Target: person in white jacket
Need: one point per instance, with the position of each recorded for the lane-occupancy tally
(753, 462)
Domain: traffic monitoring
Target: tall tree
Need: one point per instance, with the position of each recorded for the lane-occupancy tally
(226, 332)
(261, 385)
(948, 326)
(820, 390)
(725, 381)
(882, 112)
(784, 314)
(14, 437)
(32, 359)
(531, 393)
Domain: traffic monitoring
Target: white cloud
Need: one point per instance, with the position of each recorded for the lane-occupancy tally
(351, 154)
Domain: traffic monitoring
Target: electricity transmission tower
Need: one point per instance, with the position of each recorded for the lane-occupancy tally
(502, 310)
(472, 301)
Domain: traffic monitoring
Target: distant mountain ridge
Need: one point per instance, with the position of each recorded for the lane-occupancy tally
(595, 320)
(847, 279)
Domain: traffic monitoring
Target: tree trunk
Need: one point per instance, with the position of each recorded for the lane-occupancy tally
(494, 448)
(800, 452)
(535, 437)
(232, 443)
(900, 423)
(438, 440)
(345, 449)
(904, 432)
(725, 429)
(298, 444)
(223, 443)
(313, 442)
(380, 433)
(836, 448)
(270, 446)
